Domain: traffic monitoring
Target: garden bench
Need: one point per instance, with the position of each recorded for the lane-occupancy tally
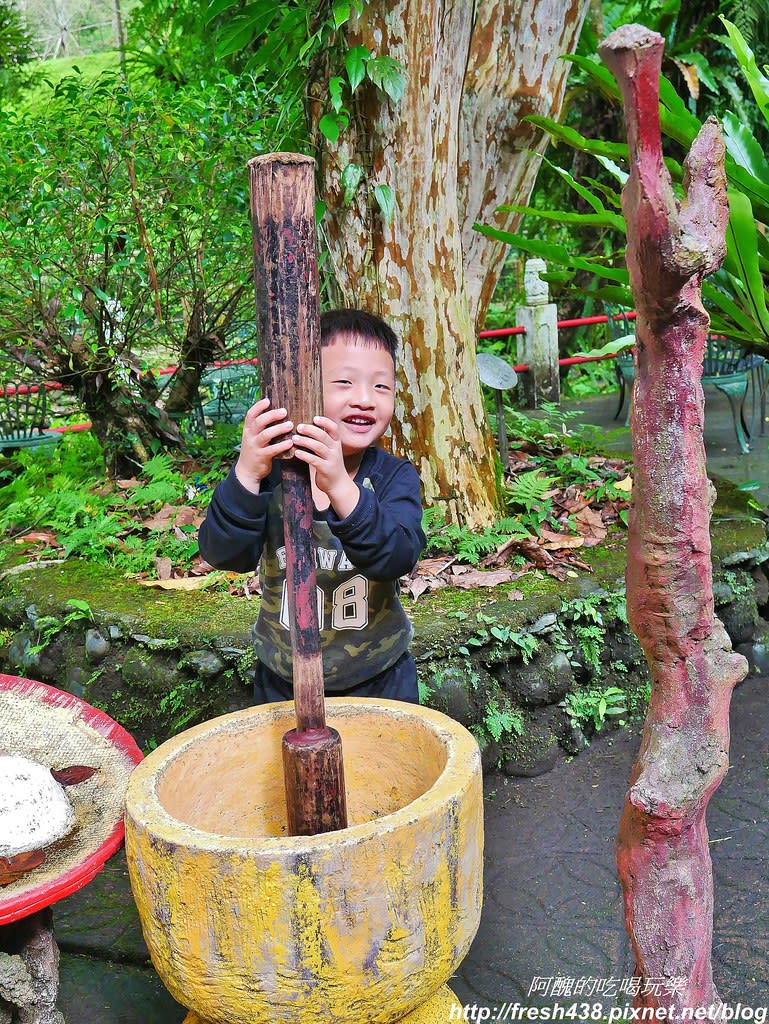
(23, 416)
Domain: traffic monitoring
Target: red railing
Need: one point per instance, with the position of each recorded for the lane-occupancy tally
(582, 321)
(499, 332)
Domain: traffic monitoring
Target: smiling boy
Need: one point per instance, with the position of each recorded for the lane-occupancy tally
(366, 522)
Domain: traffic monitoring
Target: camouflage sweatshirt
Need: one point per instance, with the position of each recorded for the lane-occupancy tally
(359, 560)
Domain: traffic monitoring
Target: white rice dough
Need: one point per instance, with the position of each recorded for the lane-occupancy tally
(34, 809)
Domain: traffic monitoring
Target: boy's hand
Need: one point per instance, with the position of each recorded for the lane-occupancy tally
(319, 446)
(266, 435)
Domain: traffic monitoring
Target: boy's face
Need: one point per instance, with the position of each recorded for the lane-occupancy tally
(358, 390)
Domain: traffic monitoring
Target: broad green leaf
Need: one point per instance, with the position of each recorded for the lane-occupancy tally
(597, 71)
(355, 62)
(612, 168)
(234, 38)
(759, 83)
(320, 210)
(743, 148)
(742, 256)
(704, 70)
(559, 255)
(341, 13)
(605, 219)
(387, 74)
(676, 120)
(328, 126)
(585, 193)
(562, 133)
(726, 315)
(335, 92)
(386, 202)
(352, 176)
(611, 348)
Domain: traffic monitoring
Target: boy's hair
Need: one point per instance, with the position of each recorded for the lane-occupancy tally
(358, 323)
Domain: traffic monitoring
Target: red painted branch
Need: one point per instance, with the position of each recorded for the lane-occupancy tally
(662, 846)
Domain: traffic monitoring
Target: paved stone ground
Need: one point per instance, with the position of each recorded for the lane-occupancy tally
(552, 905)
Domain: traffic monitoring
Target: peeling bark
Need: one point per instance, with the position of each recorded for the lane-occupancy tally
(452, 149)
(662, 846)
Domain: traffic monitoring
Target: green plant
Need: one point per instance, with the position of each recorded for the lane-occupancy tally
(126, 239)
(468, 545)
(179, 703)
(501, 718)
(592, 707)
(736, 295)
(587, 626)
(491, 631)
(63, 495)
(48, 626)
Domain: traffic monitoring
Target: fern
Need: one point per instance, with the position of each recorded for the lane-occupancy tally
(529, 489)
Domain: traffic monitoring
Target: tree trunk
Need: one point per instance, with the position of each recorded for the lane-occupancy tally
(452, 149)
(662, 848)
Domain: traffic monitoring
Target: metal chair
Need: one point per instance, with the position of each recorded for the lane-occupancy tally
(726, 367)
(231, 389)
(23, 416)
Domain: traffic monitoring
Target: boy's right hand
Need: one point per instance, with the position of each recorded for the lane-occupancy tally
(264, 438)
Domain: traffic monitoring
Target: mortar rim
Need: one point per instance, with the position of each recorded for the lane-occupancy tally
(463, 762)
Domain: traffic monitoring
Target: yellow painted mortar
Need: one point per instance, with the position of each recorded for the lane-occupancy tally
(441, 1008)
(246, 924)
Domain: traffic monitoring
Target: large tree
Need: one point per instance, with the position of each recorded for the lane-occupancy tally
(416, 166)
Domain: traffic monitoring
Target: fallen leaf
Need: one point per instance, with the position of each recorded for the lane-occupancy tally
(435, 566)
(625, 485)
(515, 595)
(416, 587)
(478, 578)
(560, 541)
(126, 485)
(73, 774)
(185, 583)
(590, 524)
(39, 537)
(12, 868)
(163, 567)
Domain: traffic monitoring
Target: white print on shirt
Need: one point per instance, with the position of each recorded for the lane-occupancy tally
(349, 605)
(323, 558)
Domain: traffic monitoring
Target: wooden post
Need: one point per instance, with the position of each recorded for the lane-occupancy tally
(538, 347)
(662, 845)
(288, 318)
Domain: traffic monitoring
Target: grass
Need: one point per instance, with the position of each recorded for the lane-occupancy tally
(55, 70)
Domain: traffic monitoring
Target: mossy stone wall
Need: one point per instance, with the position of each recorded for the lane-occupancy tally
(160, 661)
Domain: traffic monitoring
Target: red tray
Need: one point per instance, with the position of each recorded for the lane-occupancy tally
(103, 732)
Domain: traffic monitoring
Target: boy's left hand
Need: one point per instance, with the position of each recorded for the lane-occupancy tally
(318, 445)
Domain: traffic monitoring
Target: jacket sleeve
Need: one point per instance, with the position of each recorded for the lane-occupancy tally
(383, 534)
(232, 534)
